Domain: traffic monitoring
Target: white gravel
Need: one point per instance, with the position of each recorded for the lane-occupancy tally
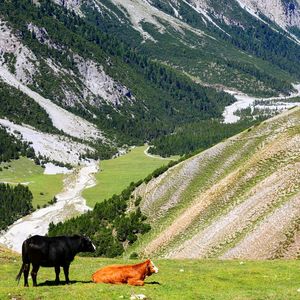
(55, 147)
(62, 119)
(51, 169)
(244, 101)
(140, 12)
(69, 202)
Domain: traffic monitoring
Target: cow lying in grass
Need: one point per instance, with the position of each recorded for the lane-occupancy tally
(131, 274)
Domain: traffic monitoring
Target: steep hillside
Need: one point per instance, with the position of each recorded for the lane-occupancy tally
(243, 45)
(238, 199)
(108, 73)
(85, 79)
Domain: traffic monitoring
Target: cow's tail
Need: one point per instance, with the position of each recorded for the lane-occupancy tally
(24, 260)
(20, 273)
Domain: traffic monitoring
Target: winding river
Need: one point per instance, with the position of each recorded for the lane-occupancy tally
(69, 203)
(244, 101)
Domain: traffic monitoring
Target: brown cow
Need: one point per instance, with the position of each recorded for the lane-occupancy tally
(131, 274)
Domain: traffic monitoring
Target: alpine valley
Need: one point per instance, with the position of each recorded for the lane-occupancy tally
(186, 106)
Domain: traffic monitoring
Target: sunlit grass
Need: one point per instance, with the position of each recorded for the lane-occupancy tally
(177, 279)
(23, 170)
(116, 174)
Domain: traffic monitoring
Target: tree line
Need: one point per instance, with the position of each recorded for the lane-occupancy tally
(109, 224)
(197, 136)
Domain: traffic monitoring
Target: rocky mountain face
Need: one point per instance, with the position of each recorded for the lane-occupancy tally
(284, 13)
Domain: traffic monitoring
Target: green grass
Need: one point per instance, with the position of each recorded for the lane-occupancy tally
(178, 279)
(43, 187)
(116, 174)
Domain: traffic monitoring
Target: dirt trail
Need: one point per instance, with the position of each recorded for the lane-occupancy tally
(69, 203)
(154, 156)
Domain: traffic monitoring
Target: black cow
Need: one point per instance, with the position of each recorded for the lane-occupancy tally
(51, 252)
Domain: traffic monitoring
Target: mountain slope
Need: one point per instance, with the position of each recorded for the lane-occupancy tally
(126, 72)
(222, 44)
(239, 199)
(124, 96)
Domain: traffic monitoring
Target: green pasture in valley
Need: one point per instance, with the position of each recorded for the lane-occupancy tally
(24, 170)
(176, 280)
(116, 174)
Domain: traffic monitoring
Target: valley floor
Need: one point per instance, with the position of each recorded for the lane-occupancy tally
(177, 279)
(69, 203)
(116, 174)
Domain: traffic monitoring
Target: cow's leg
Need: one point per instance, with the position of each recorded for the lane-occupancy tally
(26, 272)
(66, 271)
(133, 281)
(57, 271)
(35, 269)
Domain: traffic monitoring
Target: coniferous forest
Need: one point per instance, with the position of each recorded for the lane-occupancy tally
(197, 136)
(19, 108)
(109, 224)
(15, 202)
(12, 148)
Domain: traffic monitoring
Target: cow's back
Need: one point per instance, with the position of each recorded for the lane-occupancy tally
(48, 251)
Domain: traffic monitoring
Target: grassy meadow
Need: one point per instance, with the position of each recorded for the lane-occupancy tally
(24, 170)
(177, 279)
(116, 174)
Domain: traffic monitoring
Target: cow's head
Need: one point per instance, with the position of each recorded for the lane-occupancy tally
(86, 244)
(151, 268)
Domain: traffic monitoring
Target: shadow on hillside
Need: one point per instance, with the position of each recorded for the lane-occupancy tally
(152, 282)
(53, 283)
